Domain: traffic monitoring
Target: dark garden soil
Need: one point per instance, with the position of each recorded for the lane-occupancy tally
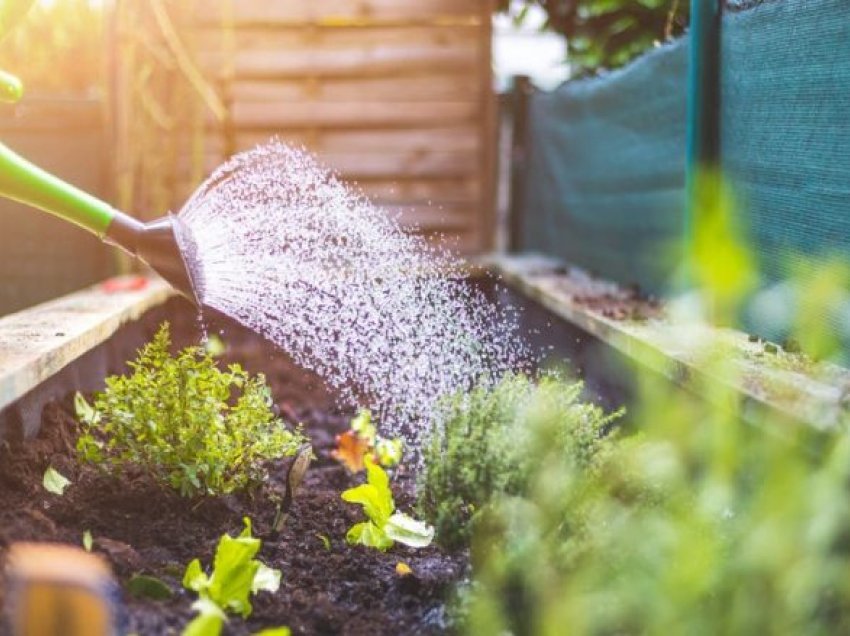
(140, 528)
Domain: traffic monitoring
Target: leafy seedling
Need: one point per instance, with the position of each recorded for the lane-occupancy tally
(55, 482)
(236, 575)
(145, 586)
(326, 542)
(385, 526)
(294, 476)
(362, 440)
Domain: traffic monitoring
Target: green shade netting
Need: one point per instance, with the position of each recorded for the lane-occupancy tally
(605, 185)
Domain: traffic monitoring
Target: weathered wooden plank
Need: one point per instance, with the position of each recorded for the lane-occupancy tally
(809, 392)
(276, 39)
(392, 96)
(38, 342)
(427, 87)
(351, 115)
(377, 60)
(463, 138)
(339, 12)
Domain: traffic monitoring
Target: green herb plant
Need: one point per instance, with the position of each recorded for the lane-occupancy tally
(188, 424)
(385, 526)
(235, 577)
(481, 446)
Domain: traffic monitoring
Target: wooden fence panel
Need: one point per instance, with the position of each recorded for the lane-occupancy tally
(341, 12)
(395, 97)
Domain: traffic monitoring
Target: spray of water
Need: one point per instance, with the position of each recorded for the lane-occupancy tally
(386, 319)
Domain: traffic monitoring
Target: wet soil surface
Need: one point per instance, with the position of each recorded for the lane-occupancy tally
(140, 528)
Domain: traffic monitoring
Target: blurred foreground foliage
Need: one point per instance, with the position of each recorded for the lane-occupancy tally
(606, 34)
(704, 517)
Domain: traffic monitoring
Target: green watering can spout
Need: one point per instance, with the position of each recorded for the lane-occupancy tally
(165, 244)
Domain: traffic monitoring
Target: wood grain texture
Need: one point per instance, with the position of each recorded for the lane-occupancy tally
(428, 86)
(375, 115)
(394, 97)
(342, 12)
(38, 342)
(463, 138)
(368, 61)
(678, 350)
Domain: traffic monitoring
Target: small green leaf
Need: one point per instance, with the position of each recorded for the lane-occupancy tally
(208, 622)
(409, 531)
(85, 411)
(215, 346)
(144, 586)
(88, 541)
(375, 496)
(266, 579)
(274, 631)
(389, 451)
(367, 496)
(54, 482)
(370, 535)
(195, 579)
(236, 574)
(325, 540)
(362, 425)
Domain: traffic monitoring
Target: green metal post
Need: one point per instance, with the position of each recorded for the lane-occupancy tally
(703, 116)
(520, 96)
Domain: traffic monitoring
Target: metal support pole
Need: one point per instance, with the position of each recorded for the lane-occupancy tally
(522, 90)
(703, 116)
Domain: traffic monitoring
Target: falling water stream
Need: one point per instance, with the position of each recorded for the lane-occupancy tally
(386, 319)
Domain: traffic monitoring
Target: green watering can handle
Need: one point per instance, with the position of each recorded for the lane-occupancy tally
(27, 183)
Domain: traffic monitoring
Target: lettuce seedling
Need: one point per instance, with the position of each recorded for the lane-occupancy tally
(235, 577)
(385, 526)
(54, 481)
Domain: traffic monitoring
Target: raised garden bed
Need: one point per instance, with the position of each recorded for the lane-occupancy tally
(141, 528)
(72, 343)
(327, 586)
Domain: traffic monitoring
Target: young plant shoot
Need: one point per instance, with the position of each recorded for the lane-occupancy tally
(227, 590)
(190, 425)
(385, 526)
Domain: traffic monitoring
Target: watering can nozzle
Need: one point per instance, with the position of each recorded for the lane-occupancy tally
(166, 245)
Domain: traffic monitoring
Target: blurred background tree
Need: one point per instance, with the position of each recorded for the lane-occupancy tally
(606, 34)
(58, 47)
